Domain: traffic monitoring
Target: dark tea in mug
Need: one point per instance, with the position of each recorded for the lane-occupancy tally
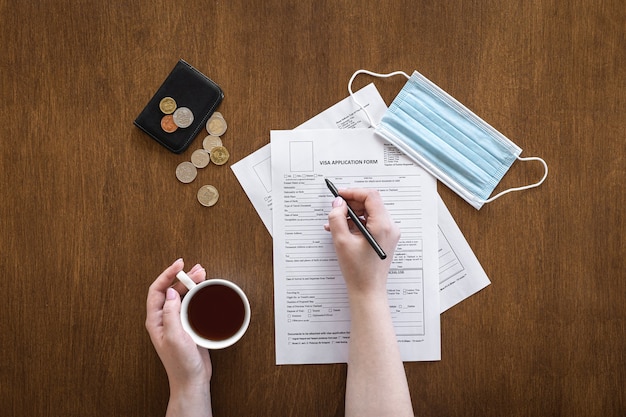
(216, 312)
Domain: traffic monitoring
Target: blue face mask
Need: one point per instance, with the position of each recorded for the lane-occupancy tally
(448, 140)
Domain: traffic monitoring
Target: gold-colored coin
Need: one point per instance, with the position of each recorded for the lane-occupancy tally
(216, 125)
(200, 158)
(208, 195)
(211, 142)
(167, 105)
(186, 172)
(219, 155)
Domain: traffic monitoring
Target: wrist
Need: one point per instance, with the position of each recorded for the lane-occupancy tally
(372, 288)
(188, 373)
(192, 398)
(189, 386)
(370, 297)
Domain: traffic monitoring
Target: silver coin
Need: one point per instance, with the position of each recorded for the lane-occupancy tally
(211, 142)
(186, 172)
(216, 125)
(200, 158)
(183, 117)
(208, 195)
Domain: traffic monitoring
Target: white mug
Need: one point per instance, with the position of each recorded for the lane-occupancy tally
(218, 324)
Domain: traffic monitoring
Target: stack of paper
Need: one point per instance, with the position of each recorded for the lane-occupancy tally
(433, 267)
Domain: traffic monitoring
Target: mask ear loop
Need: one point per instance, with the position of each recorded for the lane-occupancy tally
(374, 74)
(526, 187)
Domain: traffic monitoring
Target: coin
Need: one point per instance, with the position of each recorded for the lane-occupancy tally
(216, 125)
(208, 195)
(167, 105)
(183, 117)
(219, 155)
(211, 142)
(186, 172)
(200, 158)
(167, 123)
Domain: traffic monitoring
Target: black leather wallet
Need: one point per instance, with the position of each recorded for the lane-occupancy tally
(189, 88)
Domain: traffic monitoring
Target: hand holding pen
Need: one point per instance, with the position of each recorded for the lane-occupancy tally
(357, 222)
(375, 370)
(356, 257)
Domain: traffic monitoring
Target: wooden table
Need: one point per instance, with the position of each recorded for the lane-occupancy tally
(91, 211)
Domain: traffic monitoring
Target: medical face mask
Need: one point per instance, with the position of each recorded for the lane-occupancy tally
(447, 139)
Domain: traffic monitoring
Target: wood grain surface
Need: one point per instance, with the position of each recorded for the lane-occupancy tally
(91, 211)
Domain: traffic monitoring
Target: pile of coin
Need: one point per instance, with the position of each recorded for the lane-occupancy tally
(175, 116)
(213, 150)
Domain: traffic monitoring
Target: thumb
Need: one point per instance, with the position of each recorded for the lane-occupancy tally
(171, 309)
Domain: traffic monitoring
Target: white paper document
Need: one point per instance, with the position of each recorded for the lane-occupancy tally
(311, 304)
(254, 173)
(460, 273)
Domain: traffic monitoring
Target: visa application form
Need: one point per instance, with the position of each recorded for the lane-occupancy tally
(311, 303)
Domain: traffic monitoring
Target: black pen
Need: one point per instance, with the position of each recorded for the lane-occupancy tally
(355, 219)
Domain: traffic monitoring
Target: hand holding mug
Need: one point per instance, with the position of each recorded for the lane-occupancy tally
(184, 362)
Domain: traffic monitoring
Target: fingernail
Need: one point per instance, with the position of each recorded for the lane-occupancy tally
(338, 201)
(170, 294)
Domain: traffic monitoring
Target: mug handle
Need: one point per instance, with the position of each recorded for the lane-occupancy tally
(184, 278)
